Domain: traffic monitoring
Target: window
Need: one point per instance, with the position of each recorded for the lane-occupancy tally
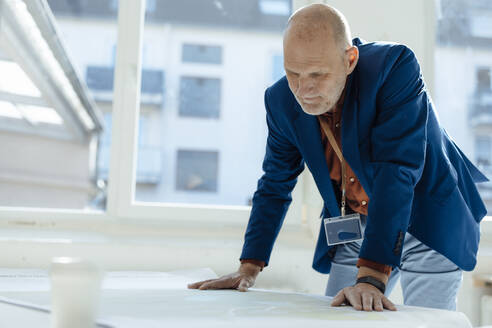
(200, 64)
(483, 79)
(19, 83)
(481, 25)
(149, 157)
(482, 151)
(275, 7)
(277, 67)
(197, 170)
(21, 100)
(8, 109)
(45, 96)
(39, 114)
(100, 80)
(463, 94)
(149, 5)
(194, 53)
(216, 72)
(104, 149)
(199, 97)
(113, 5)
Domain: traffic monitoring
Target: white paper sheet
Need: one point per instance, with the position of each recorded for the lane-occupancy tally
(38, 280)
(153, 299)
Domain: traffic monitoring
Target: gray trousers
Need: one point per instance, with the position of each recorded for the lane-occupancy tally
(427, 278)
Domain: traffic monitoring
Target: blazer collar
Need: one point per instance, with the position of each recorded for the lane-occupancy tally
(308, 133)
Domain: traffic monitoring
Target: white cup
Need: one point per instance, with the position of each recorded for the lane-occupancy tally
(75, 292)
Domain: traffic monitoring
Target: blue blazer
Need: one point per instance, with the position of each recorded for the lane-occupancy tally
(416, 177)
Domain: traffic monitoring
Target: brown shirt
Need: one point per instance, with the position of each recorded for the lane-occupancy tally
(356, 197)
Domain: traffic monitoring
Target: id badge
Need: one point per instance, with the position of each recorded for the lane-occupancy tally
(343, 229)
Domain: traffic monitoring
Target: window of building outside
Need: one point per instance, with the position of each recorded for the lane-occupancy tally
(49, 122)
(203, 79)
(483, 79)
(277, 67)
(196, 170)
(199, 53)
(463, 93)
(210, 131)
(150, 5)
(482, 151)
(199, 97)
(275, 7)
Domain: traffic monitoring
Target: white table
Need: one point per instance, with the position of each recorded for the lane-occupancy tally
(151, 299)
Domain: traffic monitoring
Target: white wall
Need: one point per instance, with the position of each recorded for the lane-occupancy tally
(43, 172)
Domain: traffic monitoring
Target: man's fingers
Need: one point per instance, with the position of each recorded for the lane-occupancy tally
(338, 299)
(388, 304)
(354, 298)
(231, 281)
(222, 283)
(196, 285)
(213, 284)
(244, 285)
(367, 301)
(378, 304)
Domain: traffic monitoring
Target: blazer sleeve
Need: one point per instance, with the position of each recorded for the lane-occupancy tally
(281, 165)
(398, 141)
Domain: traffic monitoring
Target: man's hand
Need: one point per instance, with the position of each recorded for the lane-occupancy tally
(363, 297)
(242, 279)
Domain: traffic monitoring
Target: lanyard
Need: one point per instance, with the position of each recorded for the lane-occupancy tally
(337, 150)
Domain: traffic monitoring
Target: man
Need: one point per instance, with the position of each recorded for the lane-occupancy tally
(411, 188)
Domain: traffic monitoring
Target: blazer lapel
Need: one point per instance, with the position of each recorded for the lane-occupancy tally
(350, 132)
(308, 133)
(309, 136)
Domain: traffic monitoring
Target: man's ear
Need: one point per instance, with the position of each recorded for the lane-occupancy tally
(352, 57)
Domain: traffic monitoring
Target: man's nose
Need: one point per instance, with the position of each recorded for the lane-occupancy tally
(306, 87)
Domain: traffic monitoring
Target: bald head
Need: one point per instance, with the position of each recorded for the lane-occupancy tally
(319, 22)
(318, 57)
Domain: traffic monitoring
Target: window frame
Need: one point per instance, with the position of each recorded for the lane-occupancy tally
(126, 111)
(121, 205)
(199, 45)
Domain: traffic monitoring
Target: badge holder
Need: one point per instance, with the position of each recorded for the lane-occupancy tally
(344, 228)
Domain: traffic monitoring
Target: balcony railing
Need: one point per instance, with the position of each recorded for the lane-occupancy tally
(149, 164)
(485, 188)
(100, 80)
(480, 113)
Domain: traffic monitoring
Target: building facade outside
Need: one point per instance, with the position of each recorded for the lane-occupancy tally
(202, 117)
(463, 92)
